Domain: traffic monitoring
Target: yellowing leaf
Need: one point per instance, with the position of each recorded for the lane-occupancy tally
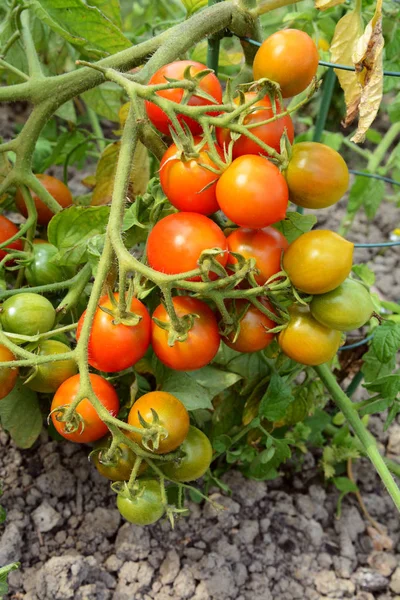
(193, 5)
(105, 174)
(368, 59)
(324, 4)
(123, 113)
(347, 33)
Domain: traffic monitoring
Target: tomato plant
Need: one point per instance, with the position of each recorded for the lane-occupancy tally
(252, 192)
(145, 506)
(196, 457)
(56, 188)
(8, 230)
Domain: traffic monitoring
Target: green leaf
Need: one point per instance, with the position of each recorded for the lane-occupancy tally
(366, 192)
(386, 341)
(394, 109)
(276, 399)
(222, 443)
(387, 387)
(105, 100)
(109, 8)
(4, 572)
(250, 366)
(67, 112)
(81, 25)
(20, 415)
(373, 368)
(263, 469)
(193, 5)
(71, 229)
(364, 273)
(195, 389)
(227, 413)
(344, 484)
(295, 225)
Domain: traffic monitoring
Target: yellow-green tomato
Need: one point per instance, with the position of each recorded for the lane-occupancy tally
(317, 176)
(49, 376)
(120, 465)
(318, 261)
(27, 314)
(197, 455)
(306, 341)
(347, 307)
(144, 505)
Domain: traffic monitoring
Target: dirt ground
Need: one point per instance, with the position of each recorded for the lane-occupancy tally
(278, 540)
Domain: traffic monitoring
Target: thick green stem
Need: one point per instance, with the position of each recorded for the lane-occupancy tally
(368, 441)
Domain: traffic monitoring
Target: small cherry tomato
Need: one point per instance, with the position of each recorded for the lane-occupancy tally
(144, 506)
(252, 192)
(42, 271)
(92, 428)
(8, 375)
(120, 465)
(188, 185)
(49, 376)
(197, 456)
(317, 175)
(27, 314)
(176, 242)
(7, 230)
(129, 343)
(56, 188)
(347, 307)
(201, 343)
(253, 332)
(171, 413)
(264, 245)
(289, 57)
(270, 133)
(318, 261)
(176, 70)
(307, 341)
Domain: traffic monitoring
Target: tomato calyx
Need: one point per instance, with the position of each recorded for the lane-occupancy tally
(208, 263)
(186, 323)
(72, 422)
(153, 432)
(121, 317)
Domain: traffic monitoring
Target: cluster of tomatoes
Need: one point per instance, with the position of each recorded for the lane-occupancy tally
(253, 194)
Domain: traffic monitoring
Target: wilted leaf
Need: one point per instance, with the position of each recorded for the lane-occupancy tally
(105, 174)
(324, 4)
(347, 33)
(368, 59)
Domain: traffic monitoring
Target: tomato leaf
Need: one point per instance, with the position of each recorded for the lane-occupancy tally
(364, 273)
(110, 9)
(388, 387)
(295, 225)
(264, 465)
(276, 399)
(193, 5)
(71, 229)
(366, 192)
(20, 415)
(4, 572)
(105, 100)
(373, 368)
(250, 366)
(386, 341)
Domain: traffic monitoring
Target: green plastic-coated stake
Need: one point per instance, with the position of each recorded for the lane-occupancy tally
(213, 47)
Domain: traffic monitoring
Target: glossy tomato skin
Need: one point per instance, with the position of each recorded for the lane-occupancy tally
(176, 70)
(171, 413)
(27, 314)
(120, 466)
(116, 347)
(49, 376)
(307, 341)
(145, 507)
(269, 133)
(317, 176)
(197, 458)
(183, 181)
(252, 192)
(253, 335)
(202, 341)
(347, 307)
(56, 188)
(318, 261)
(7, 230)
(176, 242)
(42, 271)
(94, 428)
(266, 246)
(289, 57)
(8, 375)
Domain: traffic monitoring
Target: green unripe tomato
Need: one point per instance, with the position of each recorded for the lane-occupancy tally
(347, 307)
(144, 506)
(49, 376)
(27, 314)
(42, 271)
(196, 460)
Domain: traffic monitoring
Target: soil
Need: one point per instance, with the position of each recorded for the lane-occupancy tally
(277, 540)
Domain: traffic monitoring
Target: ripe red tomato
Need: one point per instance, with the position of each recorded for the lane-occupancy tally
(289, 57)
(307, 341)
(176, 242)
(172, 415)
(252, 192)
(8, 375)
(183, 181)
(201, 344)
(197, 456)
(318, 261)
(270, 133)
(176, 70)
(129, 343)
(7, 230)
(56, 188)
(94, 428)
(253, 335)
(265, 245)
(317, 175)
